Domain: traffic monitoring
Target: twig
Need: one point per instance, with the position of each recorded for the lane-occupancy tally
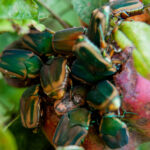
(11, 122)
(54, 15)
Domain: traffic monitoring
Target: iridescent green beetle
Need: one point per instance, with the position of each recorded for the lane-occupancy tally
(104, 97)
(113, 131)
(19, 63)
(48, 42)
(91, 59)
(72, 127)
(30, 108)
(99, 25)
(64, 40)
(39, 42)
(80, 73)
(54, 77)
(126, 8)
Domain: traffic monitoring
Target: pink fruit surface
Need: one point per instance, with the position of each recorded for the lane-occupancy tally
(91, 142)
(135, 91)
(50, 123)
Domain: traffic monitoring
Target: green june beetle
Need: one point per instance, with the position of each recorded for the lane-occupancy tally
(39, 42)
(30, 108)
(90, 59)
(126, 8)
(99, 25)
(80, 73)
(104, 97)
(64, 40)
(48, 42)
(54, 77)
(113, 131)
(72, 127)
(20, 64)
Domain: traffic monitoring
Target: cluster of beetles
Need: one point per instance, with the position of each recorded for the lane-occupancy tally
(72, 70)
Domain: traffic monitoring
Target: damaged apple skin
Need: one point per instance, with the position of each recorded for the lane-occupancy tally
(135, 91)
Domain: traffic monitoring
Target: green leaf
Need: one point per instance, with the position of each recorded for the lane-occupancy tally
(7, 141)
(5, 26)
(136, 34)
(63, 9)
(84, 8)
(27, 139)
(18, 9)
(7, 2)
(19, 26)
(6, 39)
(18, 16)
(144, 146)
(139, 34)
(9, 101)
(146, 2)
(122, 40)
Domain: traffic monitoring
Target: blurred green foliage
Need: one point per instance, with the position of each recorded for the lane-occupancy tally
(27, 139)
(63, 9)
(7, 141)
(84, 8)
(18, 9)
(136, 34)
(144, 146)
(9, 101)
(146, 2)
(6, 39)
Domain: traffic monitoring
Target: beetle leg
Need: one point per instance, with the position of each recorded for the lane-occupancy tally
(71, 88)
(119, 114)
(116, 61)
(103, 44)
(125, 112)
(111, 52)
(124, 15)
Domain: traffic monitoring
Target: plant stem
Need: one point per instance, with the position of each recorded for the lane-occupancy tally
(54, 15)
(11, 122)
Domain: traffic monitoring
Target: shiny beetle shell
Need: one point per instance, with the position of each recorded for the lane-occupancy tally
(80, 73)
(20, 64)
(104, 97)
(114, 132)
(125, 8)
(99, 25)
(91, 58)
(72, 127)
(64, 40)
(54, 77)
(30, 107)
(39, 42)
